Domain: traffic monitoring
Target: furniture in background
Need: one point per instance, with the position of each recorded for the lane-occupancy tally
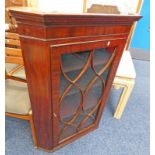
(64, 101)
(13, 57)
(125, 76)
(13, 3)
(106, 9)
(17, 102)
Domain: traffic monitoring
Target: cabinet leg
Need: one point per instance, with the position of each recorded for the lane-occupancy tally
(33, 129)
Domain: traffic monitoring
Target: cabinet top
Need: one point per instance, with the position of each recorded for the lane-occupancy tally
(37, 11)
(34, 15)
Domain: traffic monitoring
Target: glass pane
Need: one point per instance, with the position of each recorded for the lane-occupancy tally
(82, 84)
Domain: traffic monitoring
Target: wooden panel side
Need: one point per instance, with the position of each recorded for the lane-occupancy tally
(37, 66)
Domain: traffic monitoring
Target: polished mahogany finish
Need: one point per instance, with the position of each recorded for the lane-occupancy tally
(45, 39)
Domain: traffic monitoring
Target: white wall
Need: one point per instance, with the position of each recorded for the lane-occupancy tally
(69, 6)
(125, 6)
(76, 6)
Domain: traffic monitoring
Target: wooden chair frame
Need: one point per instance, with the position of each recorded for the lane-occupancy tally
(28, 118)
(14, 55)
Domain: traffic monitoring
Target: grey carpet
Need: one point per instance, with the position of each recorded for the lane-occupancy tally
(140, 54)
(127, 136)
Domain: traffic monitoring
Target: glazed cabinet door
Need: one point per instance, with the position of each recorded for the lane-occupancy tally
(82, 74)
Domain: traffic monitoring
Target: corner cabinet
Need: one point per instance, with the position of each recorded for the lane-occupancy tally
(70, 63)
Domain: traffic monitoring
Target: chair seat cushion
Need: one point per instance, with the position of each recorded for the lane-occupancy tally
(16, 97)
(20, 73)
(126, 67)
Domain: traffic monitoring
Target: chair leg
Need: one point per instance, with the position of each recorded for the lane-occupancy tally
(127, 89)
(117, 87)
(28, 118)
(33, 130)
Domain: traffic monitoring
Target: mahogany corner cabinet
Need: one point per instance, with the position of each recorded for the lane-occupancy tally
(70, 63)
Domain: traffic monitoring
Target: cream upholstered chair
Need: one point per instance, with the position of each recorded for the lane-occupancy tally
(13, 57)
(17, 103)
(13, 53)
(17, 98)
(125, 78)
(125, 75)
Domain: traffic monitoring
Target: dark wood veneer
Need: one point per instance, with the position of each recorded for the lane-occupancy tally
(44, 38)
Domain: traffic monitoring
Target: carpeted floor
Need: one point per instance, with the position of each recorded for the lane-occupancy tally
(127, 136)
